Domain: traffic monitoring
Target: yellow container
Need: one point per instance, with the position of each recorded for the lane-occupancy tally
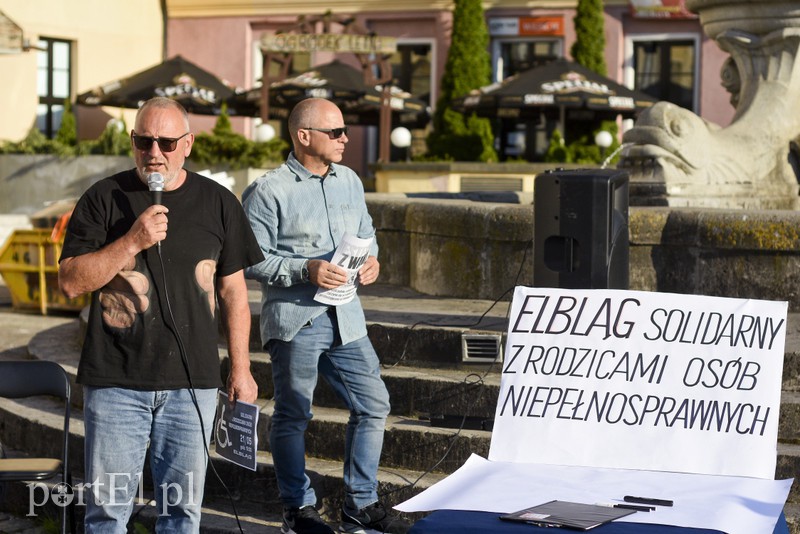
(29, 265)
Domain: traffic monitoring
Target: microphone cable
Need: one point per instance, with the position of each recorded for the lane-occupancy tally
(471, 379)
(478, 321)
(172, 325)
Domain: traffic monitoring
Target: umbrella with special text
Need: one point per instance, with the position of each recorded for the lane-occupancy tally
(553, 88)
(342, 84)
(198, 90)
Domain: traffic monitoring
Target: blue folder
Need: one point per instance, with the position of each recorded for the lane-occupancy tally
(460, 522)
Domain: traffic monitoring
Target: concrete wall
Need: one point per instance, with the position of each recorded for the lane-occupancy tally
(29, 183)
(462, 248)
(465, 249)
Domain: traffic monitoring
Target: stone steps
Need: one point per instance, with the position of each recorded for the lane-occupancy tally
(34, 425)
(417, 395)
(419, 343)
(411, 445)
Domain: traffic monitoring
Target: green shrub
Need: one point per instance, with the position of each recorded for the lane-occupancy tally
(590, 40)
(67, 133)
(557, 151)
(35, 142)
(234, 151)
(468, 67)
(583, 149)
(222, 147)
(114, 141)
(226, 148)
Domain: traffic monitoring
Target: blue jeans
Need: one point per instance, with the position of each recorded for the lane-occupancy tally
(353, 370)
(120, 424)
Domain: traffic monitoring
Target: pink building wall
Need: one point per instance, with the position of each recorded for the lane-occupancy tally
(224, 45)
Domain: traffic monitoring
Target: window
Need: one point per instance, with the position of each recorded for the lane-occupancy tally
(513, 56)
(666, 70)
(53, 83)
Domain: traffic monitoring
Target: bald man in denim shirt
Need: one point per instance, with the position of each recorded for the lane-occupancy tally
(299, 213)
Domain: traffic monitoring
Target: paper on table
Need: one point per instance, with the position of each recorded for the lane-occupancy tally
(737, 505)
(350, 255)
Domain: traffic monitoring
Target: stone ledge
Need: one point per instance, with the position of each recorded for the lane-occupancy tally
(466, 249)
(762, 230)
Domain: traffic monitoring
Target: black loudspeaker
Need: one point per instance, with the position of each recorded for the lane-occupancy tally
(580, 234)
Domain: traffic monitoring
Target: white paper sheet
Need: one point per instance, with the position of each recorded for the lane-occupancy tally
(350, 255)
(737, 505)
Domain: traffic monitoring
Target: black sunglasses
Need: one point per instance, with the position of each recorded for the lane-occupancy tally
(333, 133)
(165, 144)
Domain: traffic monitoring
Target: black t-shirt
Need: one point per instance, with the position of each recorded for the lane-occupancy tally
(131, 337)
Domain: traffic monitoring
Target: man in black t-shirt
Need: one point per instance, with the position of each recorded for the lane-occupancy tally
(150, 363)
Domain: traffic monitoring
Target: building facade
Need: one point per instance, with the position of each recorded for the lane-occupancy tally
(652, 45)
(52, 50)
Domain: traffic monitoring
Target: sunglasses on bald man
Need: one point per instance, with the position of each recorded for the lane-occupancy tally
(333, 133)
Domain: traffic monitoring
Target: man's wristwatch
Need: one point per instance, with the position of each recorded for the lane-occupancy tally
(304, 272)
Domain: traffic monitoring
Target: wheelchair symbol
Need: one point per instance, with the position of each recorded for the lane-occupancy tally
(223, 440)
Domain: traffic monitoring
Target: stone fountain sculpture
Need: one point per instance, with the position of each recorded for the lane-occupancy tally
(676, 158)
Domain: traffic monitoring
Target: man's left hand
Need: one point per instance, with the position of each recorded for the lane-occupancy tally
(242, 386)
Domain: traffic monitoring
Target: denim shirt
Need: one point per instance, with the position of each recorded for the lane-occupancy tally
(298, 216)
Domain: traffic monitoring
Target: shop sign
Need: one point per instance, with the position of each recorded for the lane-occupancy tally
(328, 42)
(661, 9)
(504, 26)
(526, 26)
(541, 26)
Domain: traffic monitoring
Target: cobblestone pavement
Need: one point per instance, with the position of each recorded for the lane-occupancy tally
(10, 524)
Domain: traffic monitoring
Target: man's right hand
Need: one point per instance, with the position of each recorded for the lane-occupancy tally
(151, 227)
(325, 274)
(91, 271)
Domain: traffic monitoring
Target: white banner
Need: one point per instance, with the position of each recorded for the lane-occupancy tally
(641, 380)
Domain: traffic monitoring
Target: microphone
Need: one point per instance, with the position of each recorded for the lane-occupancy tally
(155, 182)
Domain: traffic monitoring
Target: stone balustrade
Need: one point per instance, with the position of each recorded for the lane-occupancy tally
(461, 248)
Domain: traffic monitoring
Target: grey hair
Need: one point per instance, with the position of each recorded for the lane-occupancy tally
(162, 102)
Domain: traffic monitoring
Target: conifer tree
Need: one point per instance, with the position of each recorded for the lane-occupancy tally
(468, 67)
(67, 133)
(590, 40)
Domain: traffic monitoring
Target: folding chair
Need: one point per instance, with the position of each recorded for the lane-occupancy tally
(28, 378)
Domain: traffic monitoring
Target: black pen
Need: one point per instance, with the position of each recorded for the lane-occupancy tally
(634, 507)
(628, 507)
(647, 500)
